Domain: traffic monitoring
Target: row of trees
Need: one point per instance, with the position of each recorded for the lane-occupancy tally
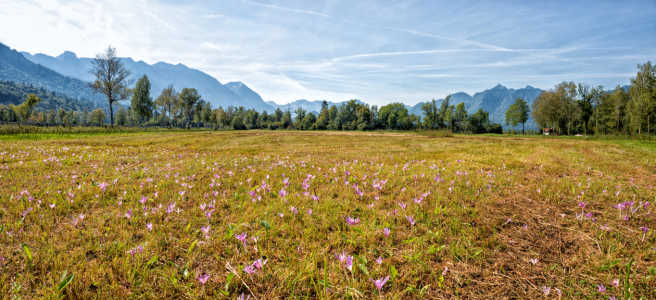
(571, 108)
(25, 113)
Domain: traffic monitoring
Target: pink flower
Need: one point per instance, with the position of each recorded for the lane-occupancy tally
(386, 231)
(282, 193)
(352, 221)
(341, 257)
(546, 290)
(379, 283)
(242, 238)
(259, 264)
(143, 199)
(309, 211)
(411, 220)
(615, 283)
(205, 229)
(203, 278)
(149, 226)
(349, 263)
(129, 214)
(379, 260)
(250, 269)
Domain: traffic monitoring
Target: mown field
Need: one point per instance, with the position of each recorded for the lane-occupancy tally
(325, 215)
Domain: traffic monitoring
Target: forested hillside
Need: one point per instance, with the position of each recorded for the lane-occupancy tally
(15, 67)
(16, 93)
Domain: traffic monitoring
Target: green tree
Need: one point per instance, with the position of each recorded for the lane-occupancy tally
(308, 122)
(61, 115)
(431, 118)
(518, 113)
(643, 93)
(25, 109)
(121, 117)
(479, 121)
(98, 117)
(188, 99)
(111, 78)
(167, 102)
(300, 114)
(441, 114)
(85, 117)
(74, 117)
(142, 104)
(585, 105)
(461, 115)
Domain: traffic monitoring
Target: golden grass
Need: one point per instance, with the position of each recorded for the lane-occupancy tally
(499, 203)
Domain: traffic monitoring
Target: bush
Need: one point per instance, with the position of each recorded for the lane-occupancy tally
(495, 128)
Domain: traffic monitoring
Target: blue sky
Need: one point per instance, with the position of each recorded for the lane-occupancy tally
(375, 51)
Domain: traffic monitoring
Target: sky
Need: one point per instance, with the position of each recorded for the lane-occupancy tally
(373, 50)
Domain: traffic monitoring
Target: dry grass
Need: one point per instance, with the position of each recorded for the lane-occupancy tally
(500, 202)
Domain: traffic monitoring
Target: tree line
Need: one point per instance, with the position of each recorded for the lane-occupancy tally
(570, 108)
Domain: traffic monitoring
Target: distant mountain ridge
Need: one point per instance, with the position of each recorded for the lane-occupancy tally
(160, 74)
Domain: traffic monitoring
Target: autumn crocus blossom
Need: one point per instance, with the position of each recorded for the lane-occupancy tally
(386, 231)
(411, 220)
(203, 278)
(352, 221)
(242, 238)
(259, 263)
(379, 283)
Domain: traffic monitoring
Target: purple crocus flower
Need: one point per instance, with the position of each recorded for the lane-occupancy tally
(379, 283)
(143, 200)
(379, 260)
(250, 270)
(601, 288)
(546, 290)
(386, 231)
(259, 264)
(349, 263)
(244, 297)
(352, 221)
(149, 226)
(411, 220)
(242, 238)
(282, 193)
(129, 214)
(341, 257)
(203, 278)
(615, 283)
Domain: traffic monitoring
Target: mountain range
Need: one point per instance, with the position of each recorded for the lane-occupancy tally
(160, 74)
(68, 74)
(496, 101)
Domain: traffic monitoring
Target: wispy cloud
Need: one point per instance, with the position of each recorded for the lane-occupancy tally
(160, 21)
(376, 51)
(288, 9)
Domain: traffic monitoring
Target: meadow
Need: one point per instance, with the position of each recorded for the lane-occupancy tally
(325, 215)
